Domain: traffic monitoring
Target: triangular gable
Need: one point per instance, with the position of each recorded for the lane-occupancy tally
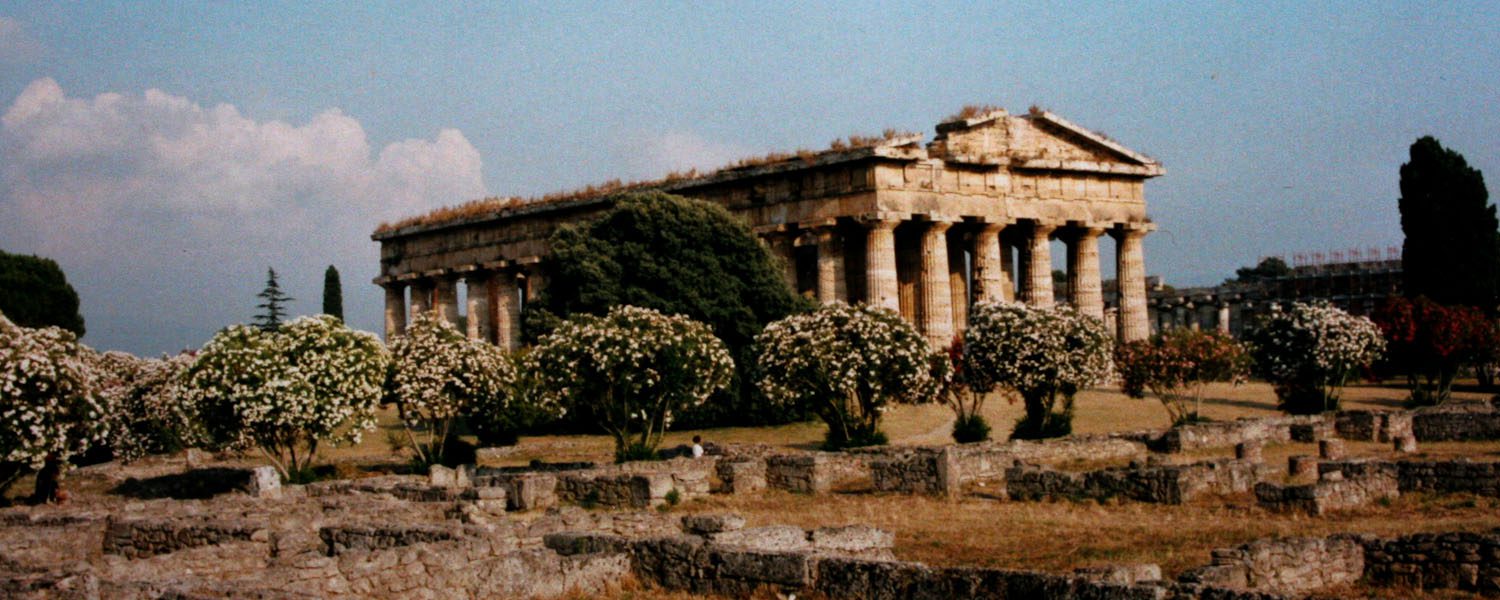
(1087, 141)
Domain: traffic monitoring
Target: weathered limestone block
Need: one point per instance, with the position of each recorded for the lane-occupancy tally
(709, 524)
(1289, 565)
(1457, 422)
(742, 476)
(1331, 449)
(814, 472)
(346, 538)
(775, 538)
(1372, 426)
(1122, 574)
(857, 540)
(1462, 561)
(1253, 451)
(1406, 444)
(1302, 466)
(264, 482)
(528, 491)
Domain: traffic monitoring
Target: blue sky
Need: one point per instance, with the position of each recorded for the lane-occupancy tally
(166, 154)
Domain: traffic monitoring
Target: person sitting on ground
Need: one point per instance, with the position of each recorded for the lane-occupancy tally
(697, 446)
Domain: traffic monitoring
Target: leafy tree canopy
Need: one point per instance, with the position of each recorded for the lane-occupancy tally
(1450, 253)
(1269, 267)
(35, 293)
(672, 254)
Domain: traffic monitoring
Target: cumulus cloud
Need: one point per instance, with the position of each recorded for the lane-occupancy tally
(16, 44)
(168, 212)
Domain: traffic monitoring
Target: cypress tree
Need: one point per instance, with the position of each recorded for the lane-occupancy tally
(1452, 249)
(333, 293)
(273, 311)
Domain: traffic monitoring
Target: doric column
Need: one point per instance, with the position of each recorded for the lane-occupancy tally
(421, 297)
(507, 310)
(1223, 323)
(1085, 288)
(395, 310)
(991, 279)
(784, 246)
(1130, 274)
(881, 285)
(934, 295)
(481, 319)
(445, 298)
(958, 280)
(831, 284)
(1039, 266)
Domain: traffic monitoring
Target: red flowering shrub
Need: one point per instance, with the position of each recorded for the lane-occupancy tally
(1176, 367)
(1431, 342)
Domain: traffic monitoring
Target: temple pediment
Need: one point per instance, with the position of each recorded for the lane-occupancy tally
(1038, 140)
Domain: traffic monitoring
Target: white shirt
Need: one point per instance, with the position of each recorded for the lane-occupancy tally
(697, 451)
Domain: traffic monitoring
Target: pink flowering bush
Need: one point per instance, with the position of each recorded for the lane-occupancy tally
(287, 390)
(848, 364)
(1039, 355)
(631, 371)
(1178, 365)
(50, 406)
(438, 375)
(1310, 351)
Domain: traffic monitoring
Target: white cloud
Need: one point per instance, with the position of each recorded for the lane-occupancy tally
(120, 188)
(16, 44)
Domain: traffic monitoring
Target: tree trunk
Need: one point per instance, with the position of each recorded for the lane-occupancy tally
(48, 482)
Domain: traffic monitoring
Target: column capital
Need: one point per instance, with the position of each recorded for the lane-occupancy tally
(386, 281)
(408, 277)
(936, 218)
(883, 220)
(438, 274)
(817, 224)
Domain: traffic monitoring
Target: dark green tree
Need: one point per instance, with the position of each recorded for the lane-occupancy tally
(333, 293)
(1269, 267)
(272, 306)
(1452, 249)
(35, 293)
(678, 256)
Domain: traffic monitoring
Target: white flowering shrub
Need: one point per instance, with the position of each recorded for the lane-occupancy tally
(152, 413)
(848, 364)
(50, 406)
(438, 375)
(1310, 351)
(287, 390)
(630, 370)
(1039, 355)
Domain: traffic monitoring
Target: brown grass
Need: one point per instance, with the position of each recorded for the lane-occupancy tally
(970, 111)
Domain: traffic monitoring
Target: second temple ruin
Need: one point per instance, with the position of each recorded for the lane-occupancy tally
(925, 229)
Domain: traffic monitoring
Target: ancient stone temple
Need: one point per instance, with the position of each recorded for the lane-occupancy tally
(925, 229)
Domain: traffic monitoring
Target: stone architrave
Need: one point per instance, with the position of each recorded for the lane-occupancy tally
(831, 282)
(882, 287)
(1130, 274)
(507, 310)
(934, 295)
(1085, 286)
(395, 310)
(1039, 266)
(481, 323)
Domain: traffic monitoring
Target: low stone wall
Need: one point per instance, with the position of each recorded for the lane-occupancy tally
(139, 538)
(347, 538)
(707, 564)
(944, 470)
(1229, 433)
(1331, 493)
(1288, 566)
(1457, 423)
(1462, 561)
(741, 475)
(1169, 484)
(1443, 477)
(1373, 425)
(815, 472)
(628, 485)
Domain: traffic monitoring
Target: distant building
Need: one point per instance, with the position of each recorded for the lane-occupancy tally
(1358, 286)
